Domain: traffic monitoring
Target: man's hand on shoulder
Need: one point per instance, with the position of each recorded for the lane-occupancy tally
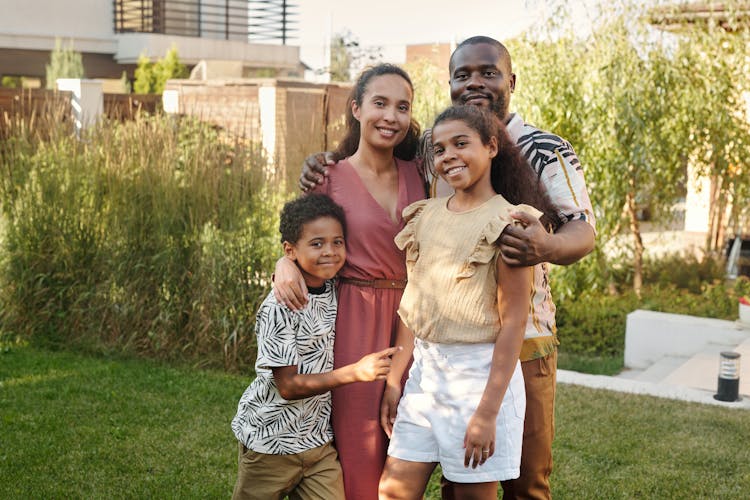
(314, 170)
(529, 243)
(525, 244)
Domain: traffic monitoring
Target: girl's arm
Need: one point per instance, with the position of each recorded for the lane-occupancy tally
(513, 292)
(293, 385)
(392, 391)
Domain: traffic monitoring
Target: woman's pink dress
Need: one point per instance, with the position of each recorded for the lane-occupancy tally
(366, 320)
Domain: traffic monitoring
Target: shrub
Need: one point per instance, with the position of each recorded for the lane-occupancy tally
(591, 316)
(154, 236)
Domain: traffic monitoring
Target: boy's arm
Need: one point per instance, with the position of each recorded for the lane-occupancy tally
(293, 385)
(513, 291)
(392, 391)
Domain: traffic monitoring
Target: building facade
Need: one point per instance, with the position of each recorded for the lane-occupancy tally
(112, 34)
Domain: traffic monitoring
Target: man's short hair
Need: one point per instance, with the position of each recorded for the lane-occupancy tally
(475, 40)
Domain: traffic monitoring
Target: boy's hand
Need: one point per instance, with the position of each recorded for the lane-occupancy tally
(479, 440)
(388, 408)
(289, 286)
(375, 366)
(314, 169)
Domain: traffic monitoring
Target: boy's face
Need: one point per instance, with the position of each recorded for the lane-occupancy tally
(320, 251)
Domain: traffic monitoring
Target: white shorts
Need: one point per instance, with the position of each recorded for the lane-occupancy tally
(445, 384)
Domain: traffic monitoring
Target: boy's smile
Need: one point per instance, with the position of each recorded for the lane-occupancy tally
(320, 251)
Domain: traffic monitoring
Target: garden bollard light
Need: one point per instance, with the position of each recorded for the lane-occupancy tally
(729, 377)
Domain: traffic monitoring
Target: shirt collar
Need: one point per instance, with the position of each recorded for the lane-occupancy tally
(515, 127)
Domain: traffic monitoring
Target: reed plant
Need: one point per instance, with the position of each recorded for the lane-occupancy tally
(153, 236)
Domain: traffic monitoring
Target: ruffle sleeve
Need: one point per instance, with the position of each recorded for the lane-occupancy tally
(406, 238)
(485, 248)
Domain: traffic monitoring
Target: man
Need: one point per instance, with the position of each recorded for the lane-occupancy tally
(481, 75)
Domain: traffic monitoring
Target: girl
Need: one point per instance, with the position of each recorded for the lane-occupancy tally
(374, 180)
(464, 401)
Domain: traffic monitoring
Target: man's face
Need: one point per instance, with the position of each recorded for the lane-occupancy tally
(481, 76)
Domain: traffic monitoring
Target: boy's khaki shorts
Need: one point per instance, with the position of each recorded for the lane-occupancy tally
(312, 474)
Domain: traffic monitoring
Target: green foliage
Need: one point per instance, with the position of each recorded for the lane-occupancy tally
(135, 429)
(348, 57)
(638, 105)
(430, 93)
(64, 63)
(125, 83)
(593, 306)
(144, 75)
(153, 236)
(341, 60)
(151, 78)
(11, 82)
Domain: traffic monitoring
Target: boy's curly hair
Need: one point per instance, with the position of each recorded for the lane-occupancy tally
(304, 209)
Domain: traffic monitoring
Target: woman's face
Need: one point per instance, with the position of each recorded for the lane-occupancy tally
(385, 114)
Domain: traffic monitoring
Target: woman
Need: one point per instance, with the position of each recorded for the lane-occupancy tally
(375, 179)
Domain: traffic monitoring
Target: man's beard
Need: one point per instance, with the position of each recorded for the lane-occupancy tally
(499, 107)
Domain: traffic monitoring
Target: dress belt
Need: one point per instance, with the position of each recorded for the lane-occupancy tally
(379, 283)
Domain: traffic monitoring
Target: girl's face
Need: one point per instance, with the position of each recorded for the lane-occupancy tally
(460, 156)
(385, 114)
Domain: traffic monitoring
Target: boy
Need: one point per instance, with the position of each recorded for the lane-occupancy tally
(283, 418)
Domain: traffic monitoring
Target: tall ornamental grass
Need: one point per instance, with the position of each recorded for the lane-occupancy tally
(154, 236)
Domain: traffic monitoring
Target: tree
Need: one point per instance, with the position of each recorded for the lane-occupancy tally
(151, 78)
(64, 63)
(348, 57)
(341, 60)
(638, 106)
(144, 75)
(430, 93)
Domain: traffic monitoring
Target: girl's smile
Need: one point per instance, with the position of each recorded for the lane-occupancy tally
(460, 155)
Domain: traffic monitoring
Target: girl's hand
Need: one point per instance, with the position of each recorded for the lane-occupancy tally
(289, 286)
(479, 440)
(388, 407)
(375, 366)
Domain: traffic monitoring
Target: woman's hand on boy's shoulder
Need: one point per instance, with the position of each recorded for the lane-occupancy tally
(289, 287)
(314, 170)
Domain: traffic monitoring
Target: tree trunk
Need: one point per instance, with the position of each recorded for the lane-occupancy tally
(635, 229)
(716, 208)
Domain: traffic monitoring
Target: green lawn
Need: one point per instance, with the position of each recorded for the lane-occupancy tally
(73, 426)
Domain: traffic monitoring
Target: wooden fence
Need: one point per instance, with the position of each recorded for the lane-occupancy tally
(25, 103)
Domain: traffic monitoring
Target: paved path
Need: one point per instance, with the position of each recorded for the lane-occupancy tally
(647, 388)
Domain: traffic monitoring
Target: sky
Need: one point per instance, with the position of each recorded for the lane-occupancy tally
(391, 24)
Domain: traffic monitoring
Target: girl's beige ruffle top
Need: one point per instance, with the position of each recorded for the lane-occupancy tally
(451, 259)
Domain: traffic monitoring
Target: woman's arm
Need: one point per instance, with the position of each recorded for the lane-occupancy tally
(392, 391)
(293, 385)
(289, 285)
(513, 291)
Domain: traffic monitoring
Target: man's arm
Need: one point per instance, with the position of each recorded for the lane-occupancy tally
(530, 243)
(314, 170)
(561, 179)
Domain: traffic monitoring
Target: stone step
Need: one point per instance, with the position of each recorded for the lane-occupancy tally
(657, 371)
